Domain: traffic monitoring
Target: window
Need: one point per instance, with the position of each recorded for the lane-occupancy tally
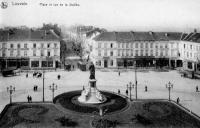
(18, 45)
(99, 52)
(34, 63)
(151, 52)
(131, 45)
(126, 45)
(122, 52)
(42, 52)
(146, 45)
(55, 45)
(99, 45)
(111, 62)
(184, 46)
(11, 45)
(11, 53)
(136, 52)
(111, 53)
(161, 53)
(34, 45)
(44, 63)
(18, 52)
(151, 45)
(34, 52)
(190, 46)
(131, 52)
(25, 45)
(50, 63)
(111, 45)
(42, 45)
(190, 65)
(141, 52)
(166, 46)
(118, 45)
(146, 53)
(25, 53)
(98, 62)
(166, 53)
(127, 52)
(105, 52)
(48, 53)
(136, 45)
(48, 45)
(118, 52)
(156, 46)
(141, 45)
(156, 53)
(191, 55)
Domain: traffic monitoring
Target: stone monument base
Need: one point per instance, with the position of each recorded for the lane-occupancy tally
(91, 95)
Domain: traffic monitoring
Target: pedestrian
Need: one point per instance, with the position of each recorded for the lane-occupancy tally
(28, 98)
(145, 88)
(127, 92)
(83, 87)
(58, 77)
(118, 91)
(197, 88)
(26, 75)
(178, 100)
(119, 73)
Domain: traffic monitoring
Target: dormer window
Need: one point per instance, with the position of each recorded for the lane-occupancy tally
(111, 45)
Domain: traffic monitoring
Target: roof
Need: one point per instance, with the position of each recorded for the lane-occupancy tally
(27, 34)
(138, 36)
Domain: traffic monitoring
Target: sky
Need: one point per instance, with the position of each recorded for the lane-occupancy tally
(124, 15)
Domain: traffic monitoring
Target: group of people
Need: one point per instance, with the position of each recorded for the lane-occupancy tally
(35, 88)
(29, 98)
(37, 74)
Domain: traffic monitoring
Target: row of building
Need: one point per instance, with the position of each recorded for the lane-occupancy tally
(36, 49)
(146, 49)
(29, 49)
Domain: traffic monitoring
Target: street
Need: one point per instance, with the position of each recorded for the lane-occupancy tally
(183, 88)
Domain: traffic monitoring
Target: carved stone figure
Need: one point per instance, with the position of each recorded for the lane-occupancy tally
(92, 71)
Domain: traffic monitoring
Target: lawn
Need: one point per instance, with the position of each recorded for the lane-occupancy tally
(141, 113)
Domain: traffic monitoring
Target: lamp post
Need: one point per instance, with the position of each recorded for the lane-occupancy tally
(169, 86)
(130, 86)
(135, 80)
(10, 89)
(53, 88)
(43, 86)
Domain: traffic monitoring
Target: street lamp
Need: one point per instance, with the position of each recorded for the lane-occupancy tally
(53, 88)
(130, 86)
(43, 86)
(10, 89)
(135, 80)
(169, 86)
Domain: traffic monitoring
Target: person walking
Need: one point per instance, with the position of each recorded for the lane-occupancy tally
(145, 88)
(178, 100)
(26, 75)
(118, 91)
(119, 73)
(127, 92)
(28, 98)
(197, 88)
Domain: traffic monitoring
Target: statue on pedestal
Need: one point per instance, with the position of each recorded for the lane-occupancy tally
(92, 71)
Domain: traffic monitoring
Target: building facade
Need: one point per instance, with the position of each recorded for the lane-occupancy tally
(145, 49)
(29, 49)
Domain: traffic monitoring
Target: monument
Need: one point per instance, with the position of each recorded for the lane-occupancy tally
(90, 94)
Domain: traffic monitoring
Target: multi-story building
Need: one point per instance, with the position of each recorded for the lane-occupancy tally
(124, 49)
(29, 49)
(116, 49)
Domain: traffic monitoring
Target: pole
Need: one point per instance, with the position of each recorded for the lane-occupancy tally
(169, 93)
(130, 91)
(53, 93)
(43, 86)
(135, 81)
(10, 96)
